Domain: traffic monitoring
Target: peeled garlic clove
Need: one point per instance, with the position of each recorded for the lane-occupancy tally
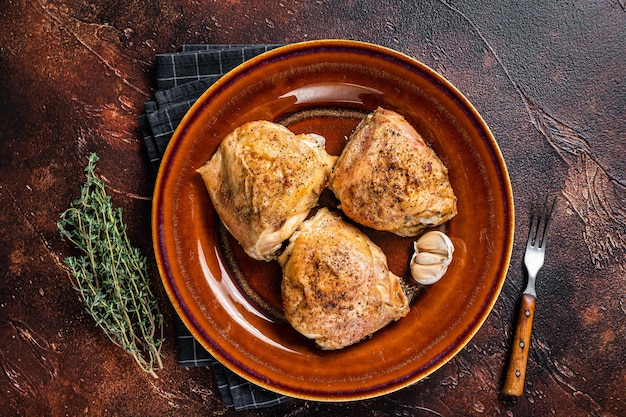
(433, 254)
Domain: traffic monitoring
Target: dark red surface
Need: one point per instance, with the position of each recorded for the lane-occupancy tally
(547, 78)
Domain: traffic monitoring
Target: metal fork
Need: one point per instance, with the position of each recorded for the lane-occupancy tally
(533, 260)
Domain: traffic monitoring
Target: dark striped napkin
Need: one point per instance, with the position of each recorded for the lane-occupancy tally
(181, 78)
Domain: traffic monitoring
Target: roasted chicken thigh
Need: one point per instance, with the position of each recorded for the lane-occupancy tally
(388, 178)
(263, 181)
(337, 288)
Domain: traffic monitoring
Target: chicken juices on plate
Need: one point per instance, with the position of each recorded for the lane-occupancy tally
(337, 288)
(388, 178)
(263, 181)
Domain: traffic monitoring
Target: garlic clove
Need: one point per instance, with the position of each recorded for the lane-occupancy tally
(435, 242)
(427, 258)
(433, 254)
(427, 274)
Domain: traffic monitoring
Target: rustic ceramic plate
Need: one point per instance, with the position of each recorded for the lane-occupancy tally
(231, 304)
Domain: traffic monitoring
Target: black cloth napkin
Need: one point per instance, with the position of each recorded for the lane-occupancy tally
(181, 77)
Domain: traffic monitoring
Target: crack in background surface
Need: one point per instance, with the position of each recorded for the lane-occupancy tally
(92, 37)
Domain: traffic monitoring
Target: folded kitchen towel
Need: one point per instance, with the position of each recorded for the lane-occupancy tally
(181, 77)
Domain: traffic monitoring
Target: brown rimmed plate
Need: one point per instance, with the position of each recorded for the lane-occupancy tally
(231, 304)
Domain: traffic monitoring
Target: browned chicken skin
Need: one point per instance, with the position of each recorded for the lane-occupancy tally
(337, 288)
(387, 178)
(263, 181)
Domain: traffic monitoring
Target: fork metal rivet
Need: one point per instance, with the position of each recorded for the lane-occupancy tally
(521, 344)
(527, 313)
(518, 373)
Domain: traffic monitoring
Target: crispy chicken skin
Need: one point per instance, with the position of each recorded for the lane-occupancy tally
(387, 178)
(263, 181)
(336, 287)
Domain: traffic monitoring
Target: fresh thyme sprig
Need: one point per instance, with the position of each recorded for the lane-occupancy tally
(111, 276)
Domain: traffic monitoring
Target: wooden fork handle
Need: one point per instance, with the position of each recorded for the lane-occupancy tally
(516, 373)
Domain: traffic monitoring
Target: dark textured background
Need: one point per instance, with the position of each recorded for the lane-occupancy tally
(548, 77)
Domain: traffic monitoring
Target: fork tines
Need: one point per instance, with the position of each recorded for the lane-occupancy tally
(542, 213)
